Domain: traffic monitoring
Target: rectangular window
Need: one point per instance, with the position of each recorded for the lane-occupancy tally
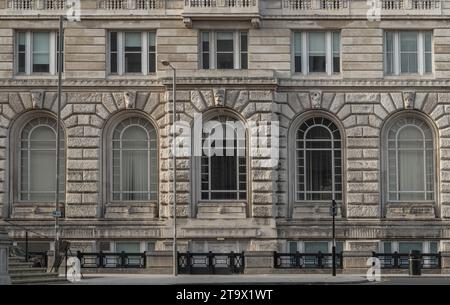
(57, 53)
(151, 52)
(317, 52)
(41, 52)
(36, 52)
(244, 50)
(224, 50)
(407, 52)
(132, 52)
(298, 52)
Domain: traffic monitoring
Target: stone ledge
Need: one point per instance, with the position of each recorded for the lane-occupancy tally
(410, 210)
(221, 210)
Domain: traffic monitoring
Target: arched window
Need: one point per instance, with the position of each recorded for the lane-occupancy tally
(410, 160)
(318, 161)
(37, 178)
(134, 163)
(223, 162)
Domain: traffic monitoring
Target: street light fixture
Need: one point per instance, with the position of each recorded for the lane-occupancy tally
(174, 114)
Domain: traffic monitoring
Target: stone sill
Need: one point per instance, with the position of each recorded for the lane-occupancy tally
(221, 210)
(410, 210)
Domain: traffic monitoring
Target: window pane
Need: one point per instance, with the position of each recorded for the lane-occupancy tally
(225, 61)
(225, 51)
(128, 247)
(224, 42)
(21, 47)
(406, 247)
(113, 52)
(292, 247)
(244, 50)
(317, 52)
(314, 247)
(205, 50)
(428, 52)
(152, 52)
(42, 164)
(298, 52)
(41, 52)
(336, 52)
(408, 52)
(133, 59)
(389, 52)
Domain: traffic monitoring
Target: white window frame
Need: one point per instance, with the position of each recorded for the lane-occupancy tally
(416, 121)
(305, 53)
(397, 53)
(213, 49)
(121, 53)
(29, 53)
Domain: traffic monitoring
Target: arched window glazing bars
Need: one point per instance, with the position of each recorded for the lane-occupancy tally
(318, 161)
(410, 162)
(134, 161)
(37, 179)
(223, 168)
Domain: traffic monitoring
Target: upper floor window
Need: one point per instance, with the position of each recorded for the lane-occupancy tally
(224, 50)
(37, 52)
(318, 161)
(134, 160)
(37, 161)
(407, 52)
(317, 52)
(410, 160)
(132, 52)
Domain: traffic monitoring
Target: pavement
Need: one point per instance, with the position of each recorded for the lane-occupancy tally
(260, 279)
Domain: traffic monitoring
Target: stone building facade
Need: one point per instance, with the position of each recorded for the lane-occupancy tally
(321, 62)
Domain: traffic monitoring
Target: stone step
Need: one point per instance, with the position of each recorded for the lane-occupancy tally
(34, 274)
(20, 264)
(22, 270)
(39, 281)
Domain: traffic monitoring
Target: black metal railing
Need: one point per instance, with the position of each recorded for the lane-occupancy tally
(401, 260)
(210, 263)
(299, 260)
(112, 260)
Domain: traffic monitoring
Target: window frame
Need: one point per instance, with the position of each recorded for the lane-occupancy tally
(120, 51)
(53, 50)
(110, 156)
(212, 52)
(304, 149)
(397, 53)
(385, 158)
(305, 53)
(226, 118)
(18, 161)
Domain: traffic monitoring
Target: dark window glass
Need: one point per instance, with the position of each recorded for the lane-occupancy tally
(317, 52)
(225, 58)
(113, 52)
(205, 50)
(133, 56)
(21, 47)
(244, 50)
(151, 52)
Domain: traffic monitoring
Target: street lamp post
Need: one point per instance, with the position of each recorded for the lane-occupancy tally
(333, 249)
(57, 212)
(174, 114)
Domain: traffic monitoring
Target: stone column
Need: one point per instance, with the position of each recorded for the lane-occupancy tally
(4, 255)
